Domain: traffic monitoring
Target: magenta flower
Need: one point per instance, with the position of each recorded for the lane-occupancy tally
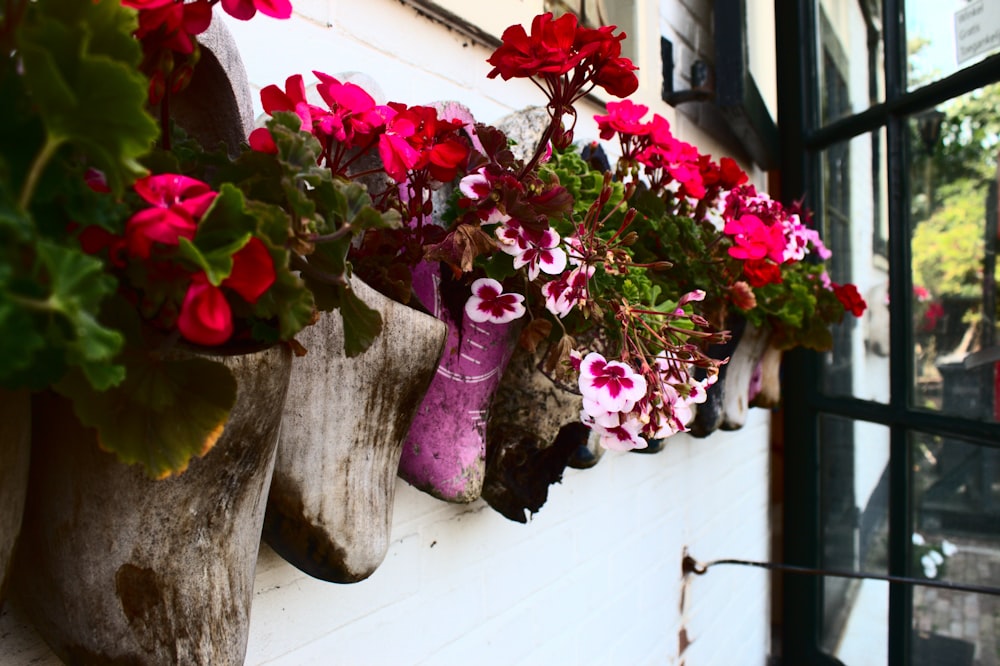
(205, 317)
(398, 156)
(624, 117)
(488, 303)
(178, 202)
(353, 111)
(611, 385)
(245, 9)
(755, 240)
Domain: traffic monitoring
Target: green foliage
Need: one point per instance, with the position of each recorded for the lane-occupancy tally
(70, 89)
(948, 248)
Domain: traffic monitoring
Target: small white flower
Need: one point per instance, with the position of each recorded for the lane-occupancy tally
(930, 568)
(917, 539)
(948, 548)
(937, 557)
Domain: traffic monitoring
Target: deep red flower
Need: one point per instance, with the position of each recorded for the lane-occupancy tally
(730, 174)
(261, 140)
(253, 271)
(761, 272)
(548, 49)
(561, 48)
(849, 297)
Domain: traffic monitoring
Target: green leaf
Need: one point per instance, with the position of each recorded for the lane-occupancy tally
(80, 72)
(361, 323)
(165, 412)
(78, 285)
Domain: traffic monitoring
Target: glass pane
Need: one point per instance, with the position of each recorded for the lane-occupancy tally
(855, 228)
(851, 57)
(953, 174)
(854, 493)
(946, 35)
(956, 537)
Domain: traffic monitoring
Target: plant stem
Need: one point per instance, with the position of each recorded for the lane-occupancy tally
(37, 167)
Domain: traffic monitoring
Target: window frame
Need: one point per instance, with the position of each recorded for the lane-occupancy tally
(803, 138)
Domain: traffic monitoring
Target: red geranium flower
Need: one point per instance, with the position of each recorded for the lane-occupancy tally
(206, 317)
(849, 297)
(761, 272)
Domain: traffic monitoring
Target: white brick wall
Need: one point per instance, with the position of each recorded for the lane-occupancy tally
(595, 577)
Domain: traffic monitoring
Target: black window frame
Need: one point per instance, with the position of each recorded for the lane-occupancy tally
(803, 138)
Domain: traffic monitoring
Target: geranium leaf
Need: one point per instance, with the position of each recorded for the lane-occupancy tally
(81, 75)
(164, 413)
(361, 323)
(78, 285)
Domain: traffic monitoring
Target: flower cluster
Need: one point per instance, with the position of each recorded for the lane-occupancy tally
(751, 254)
(130, 247)
(930, 557)
(629, 275)
(177, 288)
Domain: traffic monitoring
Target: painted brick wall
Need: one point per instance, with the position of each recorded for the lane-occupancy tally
(595, 577)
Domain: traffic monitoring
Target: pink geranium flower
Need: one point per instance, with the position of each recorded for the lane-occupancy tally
(292, 98)
(488, 303)
(753, 239)
(623, 117)
(611, 385)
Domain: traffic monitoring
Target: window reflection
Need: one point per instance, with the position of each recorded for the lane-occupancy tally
(850, 84)
(947, 35)
(956, 538)
(854, 493)
(953, 177)
(855, 229)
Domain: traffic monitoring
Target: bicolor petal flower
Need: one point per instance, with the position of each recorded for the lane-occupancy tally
(611, 384)
(488, 303)
(623, 437)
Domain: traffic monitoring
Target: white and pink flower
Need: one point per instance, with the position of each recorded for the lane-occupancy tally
(538, 250)
(489, 303)
(611, 386)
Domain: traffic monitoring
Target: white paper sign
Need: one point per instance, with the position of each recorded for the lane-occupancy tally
(977, 29)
